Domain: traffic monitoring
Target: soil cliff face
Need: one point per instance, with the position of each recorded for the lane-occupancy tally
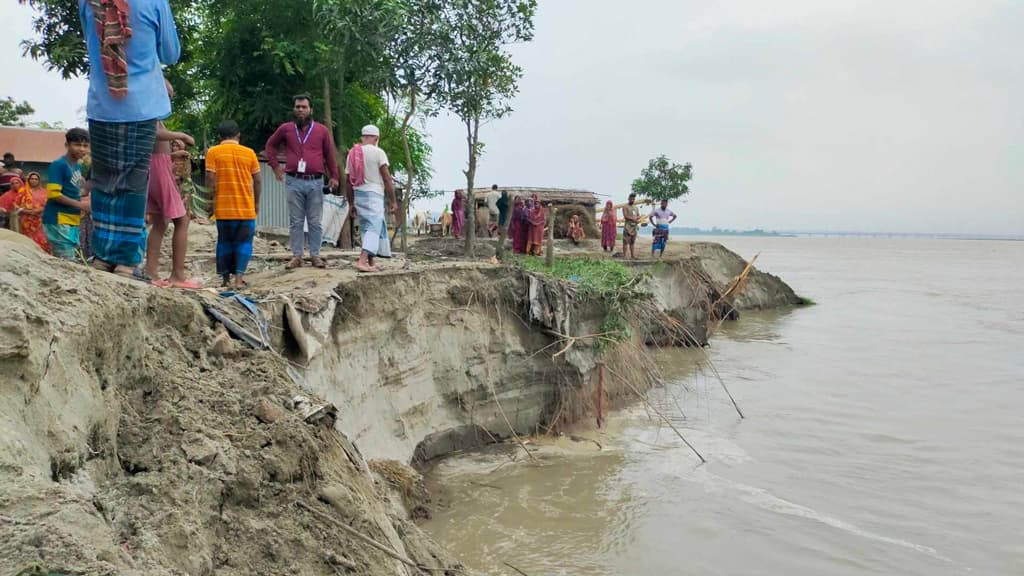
(452, 356)
(127, 446)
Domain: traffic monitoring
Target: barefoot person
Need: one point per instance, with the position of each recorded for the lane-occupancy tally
(233, 174)
(661, 218)
(630, 225)
(309, 155)
(164, 205)
(127, 42)
(367, 187)
(65, 203)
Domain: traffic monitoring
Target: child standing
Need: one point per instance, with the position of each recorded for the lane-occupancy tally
(65, 202)
(233, 176)
(163, 205)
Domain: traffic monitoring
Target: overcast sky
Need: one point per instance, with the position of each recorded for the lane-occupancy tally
(896, 115)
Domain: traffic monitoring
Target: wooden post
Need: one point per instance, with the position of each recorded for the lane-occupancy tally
(600, 393)
(502, 236)
(549, 258)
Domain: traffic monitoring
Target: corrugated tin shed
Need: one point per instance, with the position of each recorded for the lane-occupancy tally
(32, 144)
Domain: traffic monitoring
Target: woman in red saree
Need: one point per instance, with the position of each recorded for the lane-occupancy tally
(29, 203)
(575, 231)
(458, 215)
(537, 220)
(519, 226)
(608, 227)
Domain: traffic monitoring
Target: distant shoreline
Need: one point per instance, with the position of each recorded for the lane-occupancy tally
(853, 235)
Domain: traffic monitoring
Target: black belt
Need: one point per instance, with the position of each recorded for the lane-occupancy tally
(306, 176)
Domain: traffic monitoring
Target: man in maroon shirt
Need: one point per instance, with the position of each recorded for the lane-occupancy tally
(309, 156)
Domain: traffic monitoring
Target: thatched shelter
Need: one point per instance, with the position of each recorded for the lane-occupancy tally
(556, 196)
(581, 201)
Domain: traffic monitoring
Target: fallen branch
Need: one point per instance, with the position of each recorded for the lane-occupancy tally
(370, 541)
(516, 569)
(509, 423)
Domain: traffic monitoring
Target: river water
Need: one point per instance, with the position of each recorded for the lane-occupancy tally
(884, 435)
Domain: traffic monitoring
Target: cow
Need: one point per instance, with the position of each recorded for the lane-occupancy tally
(446, 223)
(421, 223)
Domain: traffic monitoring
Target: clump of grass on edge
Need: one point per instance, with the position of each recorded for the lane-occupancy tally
(605, 282)
(804, 301)
(594, 278)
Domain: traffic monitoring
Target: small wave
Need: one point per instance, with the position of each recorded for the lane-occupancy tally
(764, 499)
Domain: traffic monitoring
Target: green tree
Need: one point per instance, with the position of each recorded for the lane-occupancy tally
(663, 180)
(476, 78)
(12, 112)
(413, 54)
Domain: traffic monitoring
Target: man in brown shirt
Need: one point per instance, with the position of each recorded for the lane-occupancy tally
(309, 156)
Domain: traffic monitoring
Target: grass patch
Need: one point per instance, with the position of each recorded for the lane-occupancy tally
(594, 278)
(604, 282)
(804, 301)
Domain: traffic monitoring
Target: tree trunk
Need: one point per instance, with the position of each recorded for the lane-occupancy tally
(472, 137)
(410, 175)
(328, 111)
(348, 229)
(549, 258)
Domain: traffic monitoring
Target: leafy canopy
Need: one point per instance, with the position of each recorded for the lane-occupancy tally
(12, 112)
(663, 180)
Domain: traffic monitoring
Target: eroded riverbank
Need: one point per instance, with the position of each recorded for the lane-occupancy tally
(140, 439)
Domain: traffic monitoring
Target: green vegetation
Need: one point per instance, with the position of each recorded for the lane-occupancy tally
(12, 112)
(392, 63)
(804, 301)
(606, 283)
(663, 180)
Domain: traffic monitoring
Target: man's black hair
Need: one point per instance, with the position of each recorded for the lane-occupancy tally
(494, 186)
(8, 157)
(303, 96)
(80, 135)
(227, 129)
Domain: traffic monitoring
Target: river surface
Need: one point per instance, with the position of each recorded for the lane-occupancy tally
(884, 435)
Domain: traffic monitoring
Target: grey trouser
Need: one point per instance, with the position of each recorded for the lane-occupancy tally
(305, 205)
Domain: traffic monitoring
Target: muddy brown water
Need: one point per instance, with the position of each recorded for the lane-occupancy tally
(884, 436)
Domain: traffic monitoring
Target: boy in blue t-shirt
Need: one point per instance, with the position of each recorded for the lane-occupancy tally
(64, 201)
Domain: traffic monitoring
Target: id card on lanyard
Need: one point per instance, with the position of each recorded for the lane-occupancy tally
(301, 168)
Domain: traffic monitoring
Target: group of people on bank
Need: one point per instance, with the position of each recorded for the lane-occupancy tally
(110, 198)
(528, 224)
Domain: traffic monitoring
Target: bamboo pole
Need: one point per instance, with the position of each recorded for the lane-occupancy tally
(549, 258)
(660, 415)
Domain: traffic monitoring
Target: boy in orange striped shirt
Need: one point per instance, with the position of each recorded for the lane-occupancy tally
(233, 174)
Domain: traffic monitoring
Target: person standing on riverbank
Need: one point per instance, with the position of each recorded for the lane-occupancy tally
(309, 156)
(537, 221)
(233, 174)
(519, 227)
(630, 226)
(368, 185)
(164, 205)
(127, 42)
(65, 203)
(608, 227)
(458, 215)
(661, 218)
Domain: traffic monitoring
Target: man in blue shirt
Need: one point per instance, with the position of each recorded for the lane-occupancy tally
(64, 202)
(127, 42)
